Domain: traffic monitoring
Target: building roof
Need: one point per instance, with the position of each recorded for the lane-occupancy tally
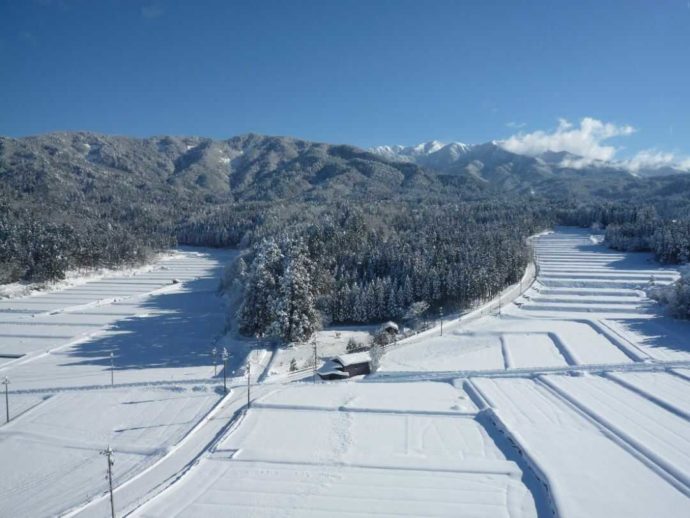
(331, 367)
(333, 373)
(353, 358)
(390, 325)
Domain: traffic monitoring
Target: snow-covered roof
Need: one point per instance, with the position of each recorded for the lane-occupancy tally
(334, 373)
(353, 358)
(332, 368)
(390, 325)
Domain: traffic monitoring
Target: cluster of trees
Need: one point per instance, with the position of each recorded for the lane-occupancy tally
(34, 247)
(637, 228)
(348, 263)
(642, 228)
(669, 239)
(676, 296)
(279, 292)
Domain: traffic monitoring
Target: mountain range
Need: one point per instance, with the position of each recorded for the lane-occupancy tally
(483, 161)
(60, 169)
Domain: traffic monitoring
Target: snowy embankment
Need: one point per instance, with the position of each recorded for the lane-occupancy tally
(78, 277)
(156, 329)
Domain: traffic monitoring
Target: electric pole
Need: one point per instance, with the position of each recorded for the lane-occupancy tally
(440, 310)
(108, 452)
(249, 384)
(112, 369)
(225, 370)
(214, 353)
(315, 359)
(6, 382)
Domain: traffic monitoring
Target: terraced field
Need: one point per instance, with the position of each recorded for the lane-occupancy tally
(567, 397)
(560, 403)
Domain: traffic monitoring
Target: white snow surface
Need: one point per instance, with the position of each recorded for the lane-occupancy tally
(579, 385)
(353, 448)
(50, 453)
(56, 347)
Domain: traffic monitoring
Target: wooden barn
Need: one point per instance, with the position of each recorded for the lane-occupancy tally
(346, 366)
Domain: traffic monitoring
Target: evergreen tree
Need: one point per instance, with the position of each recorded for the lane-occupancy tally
(294, 313)
(255, 315)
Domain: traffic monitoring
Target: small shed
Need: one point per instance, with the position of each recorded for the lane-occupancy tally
(390, 328)
(346, 366)
(354, 363)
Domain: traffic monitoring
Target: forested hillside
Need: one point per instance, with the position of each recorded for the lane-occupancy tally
(359, 264)
(360, 237)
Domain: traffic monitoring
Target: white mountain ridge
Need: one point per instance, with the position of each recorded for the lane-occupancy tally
(438, 155)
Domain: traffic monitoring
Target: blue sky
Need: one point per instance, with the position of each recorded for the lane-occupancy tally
(360, 72)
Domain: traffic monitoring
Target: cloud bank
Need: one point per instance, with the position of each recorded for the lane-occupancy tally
(653, 159)
(588, 142)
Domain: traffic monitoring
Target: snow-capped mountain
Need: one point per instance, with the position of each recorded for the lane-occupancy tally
(492, 159)
(422, 152)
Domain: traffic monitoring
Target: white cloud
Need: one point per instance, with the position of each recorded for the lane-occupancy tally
(653, 159)
(586, 140)
(516, 125)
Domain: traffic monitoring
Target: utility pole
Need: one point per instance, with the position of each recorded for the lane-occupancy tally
(112, 369)
(225, 370)
(499, 304)
(315, 359)
(214, 353)
(6, 382)
(108, 452)
(440, 310)
(249, 384)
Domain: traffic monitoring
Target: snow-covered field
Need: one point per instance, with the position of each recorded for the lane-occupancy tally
(413, 450)
(573, 401)
(56, 347)
(610, 443)
(51, 455)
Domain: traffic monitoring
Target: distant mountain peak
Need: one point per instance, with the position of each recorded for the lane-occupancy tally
(423, 152)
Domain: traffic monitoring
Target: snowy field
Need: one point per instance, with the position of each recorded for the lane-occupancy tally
(55, 347)
(156, 330)
(572, 401)
(50, 453)
(610, 441)
(403, 450)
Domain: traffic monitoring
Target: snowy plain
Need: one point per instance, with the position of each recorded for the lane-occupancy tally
(612, 442)
(571, 401)
(56, 346)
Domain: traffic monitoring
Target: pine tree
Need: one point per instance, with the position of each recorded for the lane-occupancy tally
(256, 312)
(295, 315)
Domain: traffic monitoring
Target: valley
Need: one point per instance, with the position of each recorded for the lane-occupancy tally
(562, 397)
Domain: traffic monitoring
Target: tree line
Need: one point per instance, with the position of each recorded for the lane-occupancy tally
(350, 263)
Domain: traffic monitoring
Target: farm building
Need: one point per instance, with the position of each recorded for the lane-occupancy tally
(390, 328)
(346, 366)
